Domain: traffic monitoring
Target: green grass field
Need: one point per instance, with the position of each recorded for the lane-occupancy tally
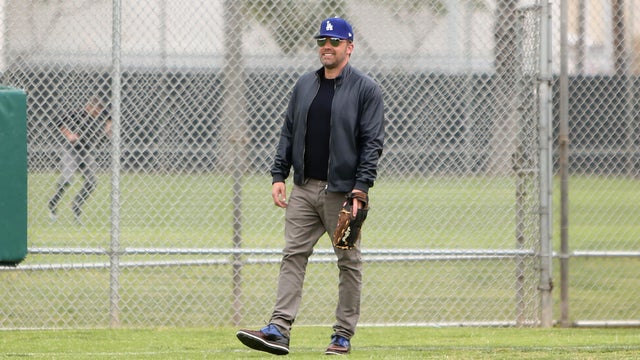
(604, 215)
(310, 342)
(184, 209)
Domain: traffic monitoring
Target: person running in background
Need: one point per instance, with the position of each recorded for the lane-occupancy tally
(82, 130)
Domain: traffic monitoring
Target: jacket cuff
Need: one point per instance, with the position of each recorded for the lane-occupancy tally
(277, 178)
(364, 187)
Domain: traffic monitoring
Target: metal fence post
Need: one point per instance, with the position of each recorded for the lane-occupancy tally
(563, 162)
(235, 154)
(114, 253)
(546, 171)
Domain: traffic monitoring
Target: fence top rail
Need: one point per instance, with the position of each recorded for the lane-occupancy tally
(266, 251)
(325, 259)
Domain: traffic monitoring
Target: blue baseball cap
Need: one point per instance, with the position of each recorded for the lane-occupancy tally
(335, 27)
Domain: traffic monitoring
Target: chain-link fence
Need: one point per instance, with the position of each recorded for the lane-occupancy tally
(598, 236)
(177, 227)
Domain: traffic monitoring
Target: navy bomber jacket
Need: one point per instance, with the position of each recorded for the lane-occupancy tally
(357, 131)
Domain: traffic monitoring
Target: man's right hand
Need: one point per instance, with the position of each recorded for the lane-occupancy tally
(279, 194)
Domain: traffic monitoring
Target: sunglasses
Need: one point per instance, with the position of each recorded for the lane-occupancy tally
(335, 42)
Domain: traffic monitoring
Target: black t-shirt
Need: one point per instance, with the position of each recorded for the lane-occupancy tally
(316, 160)
(89, 129)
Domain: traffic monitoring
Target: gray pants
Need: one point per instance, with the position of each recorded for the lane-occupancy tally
(73, 160)
(311, 212)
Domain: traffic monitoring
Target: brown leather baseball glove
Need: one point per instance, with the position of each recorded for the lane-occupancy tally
(349, 226)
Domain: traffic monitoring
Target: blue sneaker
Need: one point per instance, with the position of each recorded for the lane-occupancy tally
(268, 339)
(339, 346)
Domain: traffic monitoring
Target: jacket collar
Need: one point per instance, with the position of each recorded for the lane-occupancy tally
(343, 74)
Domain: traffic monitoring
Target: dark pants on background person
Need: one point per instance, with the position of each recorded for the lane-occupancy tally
(73, 160)
(311, 212)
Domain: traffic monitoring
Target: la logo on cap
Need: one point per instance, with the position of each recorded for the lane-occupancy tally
(329, 26)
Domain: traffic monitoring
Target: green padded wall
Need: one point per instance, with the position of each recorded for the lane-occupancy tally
(13, 176)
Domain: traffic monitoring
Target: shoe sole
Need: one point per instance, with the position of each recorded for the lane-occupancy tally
(329, 352)
(259, 344)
